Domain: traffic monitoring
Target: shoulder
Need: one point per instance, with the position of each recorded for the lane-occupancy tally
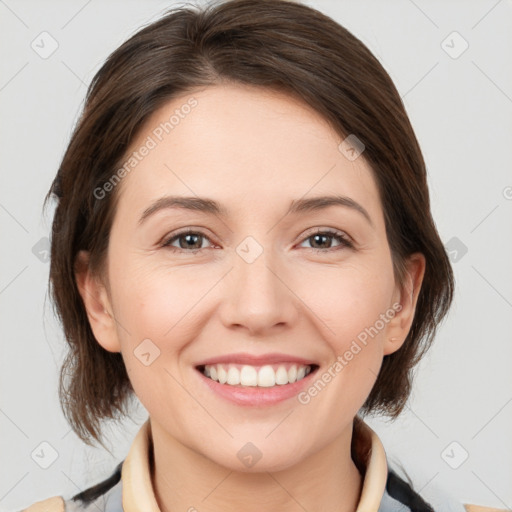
(478, 508)
(400, 495)
(105, 496)
(55, 504)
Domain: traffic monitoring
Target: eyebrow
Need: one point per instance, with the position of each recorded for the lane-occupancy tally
(209, 206)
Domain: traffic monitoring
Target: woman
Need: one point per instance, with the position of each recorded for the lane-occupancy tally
(243, 240)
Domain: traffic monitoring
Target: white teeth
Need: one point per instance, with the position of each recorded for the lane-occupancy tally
(249, 376)
(292, 374)
(233, 376)
(281, 375)
(222, 375)
(265, 377)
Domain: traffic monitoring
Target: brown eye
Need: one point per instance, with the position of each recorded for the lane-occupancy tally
(322, 240)
(187, 240)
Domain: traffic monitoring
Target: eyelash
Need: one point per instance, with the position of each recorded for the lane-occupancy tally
(345, 241)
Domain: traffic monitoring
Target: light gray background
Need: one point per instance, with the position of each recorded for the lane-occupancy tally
(461, 109)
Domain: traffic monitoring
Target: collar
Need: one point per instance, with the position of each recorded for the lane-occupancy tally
(367, 452)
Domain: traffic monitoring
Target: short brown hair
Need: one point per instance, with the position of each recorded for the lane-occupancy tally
(267, 43)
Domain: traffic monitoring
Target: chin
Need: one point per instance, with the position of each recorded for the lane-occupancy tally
(257, 457)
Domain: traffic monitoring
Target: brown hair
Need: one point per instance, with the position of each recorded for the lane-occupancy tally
(278, 44)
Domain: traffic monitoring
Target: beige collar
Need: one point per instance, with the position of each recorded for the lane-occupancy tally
(367, 451)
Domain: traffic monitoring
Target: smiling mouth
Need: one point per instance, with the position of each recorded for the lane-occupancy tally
(264, 376)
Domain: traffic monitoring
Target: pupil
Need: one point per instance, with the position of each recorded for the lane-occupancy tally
(188, 239)
(317, 237)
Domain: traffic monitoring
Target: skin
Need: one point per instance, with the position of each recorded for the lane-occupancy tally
(253, 151)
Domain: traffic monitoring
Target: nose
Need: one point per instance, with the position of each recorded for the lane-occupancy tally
(257, 298)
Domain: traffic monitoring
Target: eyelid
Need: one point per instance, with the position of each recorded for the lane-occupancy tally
(346, 241)
(168, 239)
(330, 231)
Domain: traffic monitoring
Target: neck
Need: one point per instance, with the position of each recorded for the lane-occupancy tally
(327, 480)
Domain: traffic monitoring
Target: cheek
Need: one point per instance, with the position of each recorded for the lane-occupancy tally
(156, 310)
(348, 311)
(151, 298)
(343, 299)
(349, 299)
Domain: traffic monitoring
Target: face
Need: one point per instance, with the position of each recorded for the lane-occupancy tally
(269, 272)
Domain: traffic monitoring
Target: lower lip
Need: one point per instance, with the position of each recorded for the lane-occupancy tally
(257, 396)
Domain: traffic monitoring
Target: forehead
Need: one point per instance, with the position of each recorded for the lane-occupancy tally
(245, 146)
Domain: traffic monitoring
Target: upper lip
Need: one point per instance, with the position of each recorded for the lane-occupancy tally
(255, 360)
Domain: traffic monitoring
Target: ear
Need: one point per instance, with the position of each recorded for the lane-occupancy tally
(405, 299)
(97, 304)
